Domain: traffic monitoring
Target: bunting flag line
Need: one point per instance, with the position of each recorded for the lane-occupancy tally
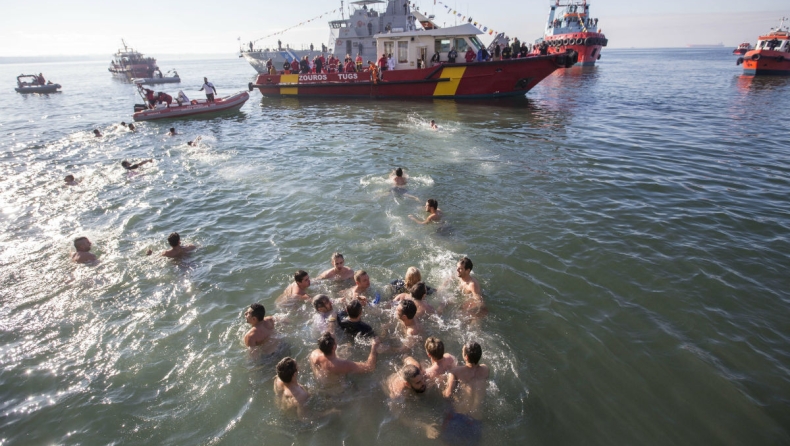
(454, 12)
(283, 31)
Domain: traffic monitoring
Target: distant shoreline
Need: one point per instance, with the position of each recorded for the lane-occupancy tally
(108, 58)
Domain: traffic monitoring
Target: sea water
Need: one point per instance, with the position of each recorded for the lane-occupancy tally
(628, 224)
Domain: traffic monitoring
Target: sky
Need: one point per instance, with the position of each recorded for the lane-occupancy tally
(90, 27)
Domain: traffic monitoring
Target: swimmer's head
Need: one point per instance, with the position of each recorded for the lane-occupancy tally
(69, 178)
(398, 172)
(131, 126)
(465, 263)
(432, 204)
(286, 369)
(407, 308)
(125, 164)
(412, 375)
(361, 278)
(322, 303)
(301, 277)
(337, 259)
(412, 276)
(418, 291)
(326, 343)
(173, 130)
(96, 132)
(82, 244)
(472, 352)
(354, 309)
(174, 239)
(123, 123)
(256, 311)
(434, 347)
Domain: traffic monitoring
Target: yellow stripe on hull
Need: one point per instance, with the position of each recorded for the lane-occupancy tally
(289, 79)
(450, 87)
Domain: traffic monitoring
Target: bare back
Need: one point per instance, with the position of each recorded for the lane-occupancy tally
(468, 385)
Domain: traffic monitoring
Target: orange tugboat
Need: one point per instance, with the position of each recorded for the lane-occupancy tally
(572, 28)
(771, 55)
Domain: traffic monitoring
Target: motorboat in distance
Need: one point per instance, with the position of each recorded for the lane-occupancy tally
(30, 83)
(158, 78)
(187, 108)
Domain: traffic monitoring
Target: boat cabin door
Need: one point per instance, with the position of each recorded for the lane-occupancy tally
(423, 55)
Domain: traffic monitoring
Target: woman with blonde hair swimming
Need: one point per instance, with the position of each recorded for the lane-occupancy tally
(404, 285)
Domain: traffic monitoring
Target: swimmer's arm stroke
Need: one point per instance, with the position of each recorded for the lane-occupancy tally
(451, 380)
(427, 220)
(361, 367)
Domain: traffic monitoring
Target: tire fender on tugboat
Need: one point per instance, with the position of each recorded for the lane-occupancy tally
(755, 57)
(588, 41)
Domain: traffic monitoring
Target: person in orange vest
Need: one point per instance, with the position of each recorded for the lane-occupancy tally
(374, 72)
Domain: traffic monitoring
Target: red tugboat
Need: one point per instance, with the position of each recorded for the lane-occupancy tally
(572, 28)
(131, 64)
(771, 55)
(411, 78)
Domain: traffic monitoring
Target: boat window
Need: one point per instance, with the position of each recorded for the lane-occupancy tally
(442, 45)
(461, 45)
(476, 43)
(403, 52)
(388, 47)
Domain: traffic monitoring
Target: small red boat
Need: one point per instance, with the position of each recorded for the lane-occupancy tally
(771, 55)
(410, 77)
(742, 48)
(190, 108)
(572, 28)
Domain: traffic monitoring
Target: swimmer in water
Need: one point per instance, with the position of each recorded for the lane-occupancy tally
(96, 133)
(466, 385)
(298, 289)
(131, 127)
(408, 380)
(433, 125)
(362, 286)
(195, 142)
(416, 294)
(441, 362)
(398, 178)
(339, 270)
(258, 337)
(289, 395)
(70, 181)
(324, 318)
(123, 124)
(350, 320)
(432, 208)
(83, 254)
(176, 250)
(328, 369)
(172, 132)
(126, 165)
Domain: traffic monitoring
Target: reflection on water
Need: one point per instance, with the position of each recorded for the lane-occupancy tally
(629, 244)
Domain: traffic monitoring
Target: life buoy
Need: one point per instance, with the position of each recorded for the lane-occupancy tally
(588, 41)
(755, 57)
(360, 23)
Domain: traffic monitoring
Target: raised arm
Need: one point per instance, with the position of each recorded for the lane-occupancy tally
(361, 367)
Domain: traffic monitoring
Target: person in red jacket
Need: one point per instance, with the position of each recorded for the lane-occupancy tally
(164, 97)
(150, 97)
(295, 66)
(383, 63)
(470, 55)
(351, 67)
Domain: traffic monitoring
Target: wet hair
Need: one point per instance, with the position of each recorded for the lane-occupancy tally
(337, 255)
(433, 203)
(398, 172)
(472, 351)
(96, 132)
(412, 277)
(173, 130)
(299, 275)
(435, 348)
(125, 164)
(258, 311)
(69, 178)
(319, 300)
(174, 239)
(286, 369)
(466, 263)
(418, 291)
(354, 309)
(409, 371)
(326, 343)
(79, 240)
(131, 126)
(407, 308)
(359, 274)
(123, 123)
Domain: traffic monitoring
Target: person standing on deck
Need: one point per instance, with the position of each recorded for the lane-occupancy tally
(208, 87)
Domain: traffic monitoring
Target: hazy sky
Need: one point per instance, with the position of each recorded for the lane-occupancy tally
(85, 27)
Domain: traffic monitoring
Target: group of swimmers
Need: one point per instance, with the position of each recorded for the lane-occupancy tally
(404, 312)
